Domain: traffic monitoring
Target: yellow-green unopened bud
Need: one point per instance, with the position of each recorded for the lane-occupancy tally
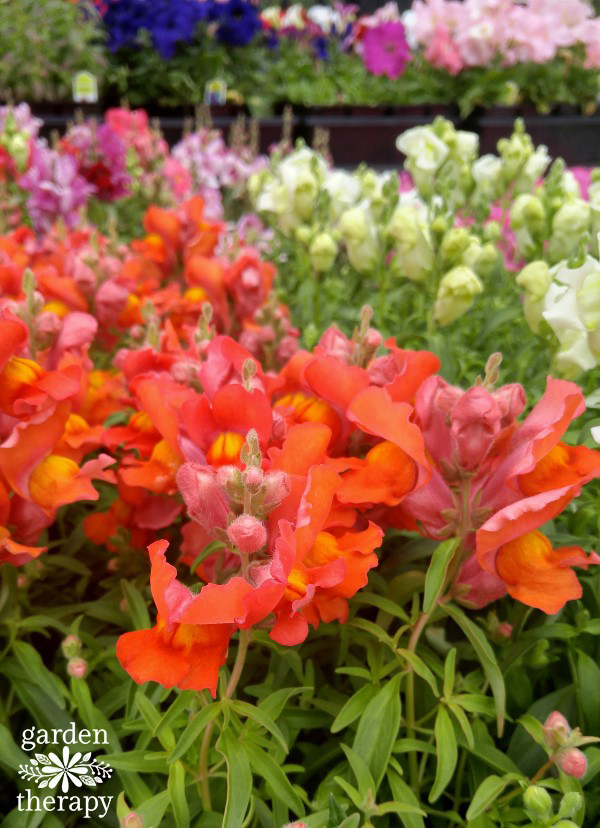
(570, 804)
(538, 802)
(303, 234)
(535, 279)
(323, 252)
(455, 294)
(454, 245)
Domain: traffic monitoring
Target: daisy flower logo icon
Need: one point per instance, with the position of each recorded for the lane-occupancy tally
(51, 771)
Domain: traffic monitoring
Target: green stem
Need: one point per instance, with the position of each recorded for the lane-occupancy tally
(413, 766)
(236, 672)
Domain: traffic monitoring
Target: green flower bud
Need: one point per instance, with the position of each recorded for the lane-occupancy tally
(486, 260)
(492, 231)
(455, 294)
(454, 245)
(538, 802)
(323, 252)
(570, 804)
(535, 279)
(303, 234)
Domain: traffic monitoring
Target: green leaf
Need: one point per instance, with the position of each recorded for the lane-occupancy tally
(435, 578)
(179, 706)
(268, 769)
(378, 728)
(402, 793)
(194, 729)
(239, 779)
(153, 719)
(36, 671)
(153, 809)
(354, 707)
(139, 761)
(350, 791)
(274, 704)
(534, 727)
(398, 808)
(449, 673)
(486, 656)
(208, 550)
(463, 723)
(487, 793)
(362, 773)
(261, 718)
(420, 668)
(382, 603)
(136, 605)
(588, 675)
(447, 753)
(10, 753)
(177, 795)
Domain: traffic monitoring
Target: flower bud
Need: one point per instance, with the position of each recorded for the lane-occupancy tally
(572, 762)
(323, 252)
(71, 646)
(538, 802)
(247, 533)
(253, 477)
(565, 823)
(277, 488)
(77, 667)
(353, 225)
(570, 804)
(455, 294)
(556, 729)
(528, 211)
(132, 820)
(303, 234)
(414, 257)
(203, 496)
(535, 278)
(297, 824)
(454, 245)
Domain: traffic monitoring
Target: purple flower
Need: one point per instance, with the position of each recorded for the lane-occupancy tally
(56, 190)
(385, 50)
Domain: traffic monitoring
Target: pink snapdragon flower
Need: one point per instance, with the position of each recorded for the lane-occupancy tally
(443, 52)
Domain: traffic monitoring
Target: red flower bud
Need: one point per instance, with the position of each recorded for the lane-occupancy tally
(203, 496)
(77, 667)
(556, 729)
(572, 762)
(247, 533)
(277, 488)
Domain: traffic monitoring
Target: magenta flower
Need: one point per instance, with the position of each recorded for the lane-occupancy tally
(385, 50)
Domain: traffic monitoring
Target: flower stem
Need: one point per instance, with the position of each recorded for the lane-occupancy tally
(236, 672)
(410, 701)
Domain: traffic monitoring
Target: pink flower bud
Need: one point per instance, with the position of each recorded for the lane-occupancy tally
(77, 667)
(22, 581)
(475, 425)
(556, 729)
(277, 488)
(247, 533)
(504, 629)
(203, 496)
(335, 343)
(287, 348)
(253, 477)
(572, 762)
(297, 824)
(47, 326)
(184, 371)
(132, 820)
(229, 478)
(373, 338)
(71, 646)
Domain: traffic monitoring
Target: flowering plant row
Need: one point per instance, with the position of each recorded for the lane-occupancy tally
(293, 573)
(441, 51)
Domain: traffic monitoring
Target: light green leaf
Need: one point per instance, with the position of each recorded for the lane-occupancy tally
(179, 706)
(136, 606)
(177, 795)
(32, 663)
(435, 578)
(447, 753)
(463, 722)
(449, 673)
(261, 718)
(487, 793)
(362, 773)
(194, 729)
(378, 728)
(588, 676)
(402, 793)
(354, 707)
(486, 656)
(420, 668)
(268, 769)
(239, 779)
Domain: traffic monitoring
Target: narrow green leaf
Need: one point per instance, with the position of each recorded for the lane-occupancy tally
(352, 821)
(194, 729)
(588, 677)
(354, 795)
(447, 753)
(32, 663)
(378, 728)
(382, 603)
(486, 656)
(239, 779)
(354, 707)
(179, 706)
(449, 673)
(486, 794)
(153, 809)
(177, 796)
(153, 719)
(268, 769)
(402, 793)
(362, 773)
(420, 668)
(274, 704)
(139, 761)
(261, 718)
(208, 550)
(534, 727)
(398, 808)
(136, 605)
(463, 722)
(435, 578)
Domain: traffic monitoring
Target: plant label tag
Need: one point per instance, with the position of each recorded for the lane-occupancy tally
(85, 88)
(215, 92)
